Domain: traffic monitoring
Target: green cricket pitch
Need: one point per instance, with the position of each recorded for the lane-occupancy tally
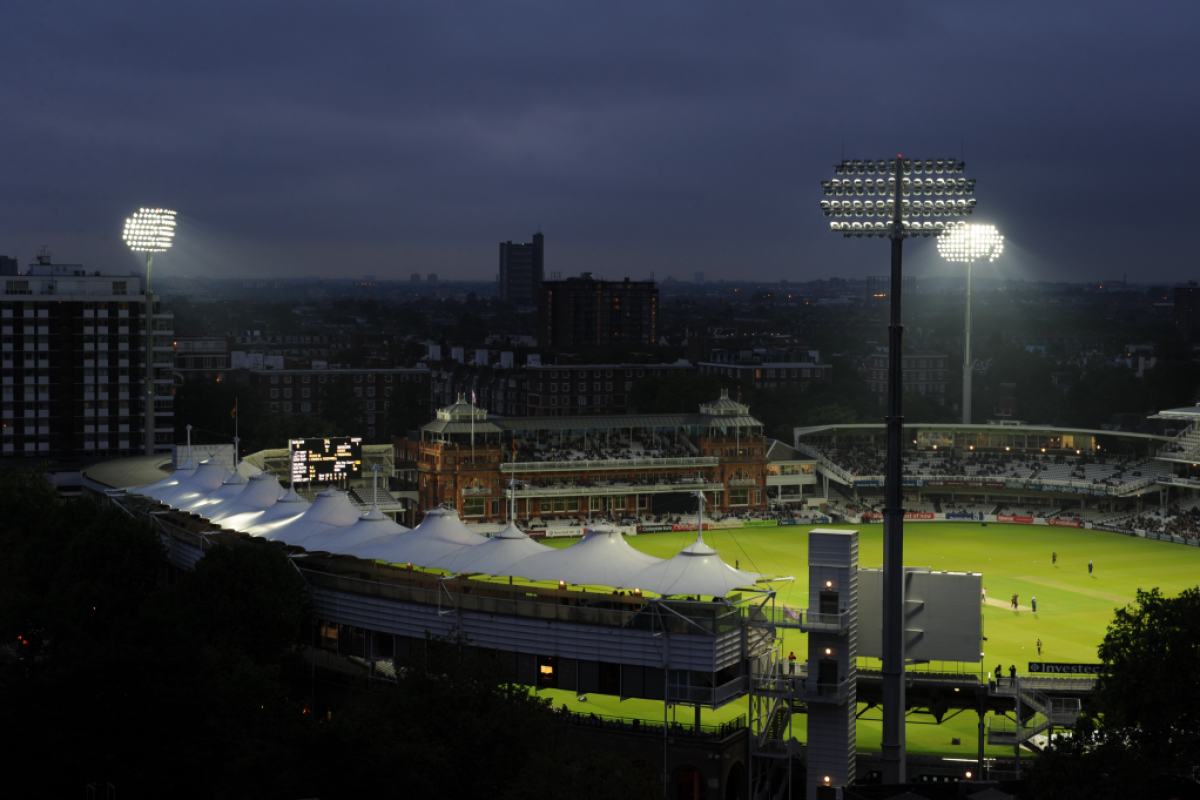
(1074, 608)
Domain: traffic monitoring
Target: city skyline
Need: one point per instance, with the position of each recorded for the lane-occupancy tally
(639, 139)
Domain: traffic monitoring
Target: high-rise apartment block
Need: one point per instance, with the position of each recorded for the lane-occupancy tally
(521, 271)
(73, 365)
(582, 313)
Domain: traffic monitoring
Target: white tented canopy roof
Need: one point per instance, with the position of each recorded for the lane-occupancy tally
(601, 557)
(262, 493)
(208, 477)
(332, 509)
(287, 508)
(439, 534)
(183, 472)
(372, 526)
(230, 488)
(697, 569)
(496, 556)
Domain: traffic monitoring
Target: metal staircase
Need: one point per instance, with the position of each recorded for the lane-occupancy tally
(1048, 712)
(773, 692)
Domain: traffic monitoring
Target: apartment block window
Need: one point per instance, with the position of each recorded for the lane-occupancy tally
(287, 407)
(287, 392)
(554, 387)
(274, 379)
(371, 391)
(322, 378)
(306, 407)
(358, 391)
(305, 392)
(358, 378)
(608, 385)
(274, 393)
(583, 387)
(306, 379)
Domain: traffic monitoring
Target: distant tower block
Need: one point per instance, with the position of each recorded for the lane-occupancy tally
(832, 626)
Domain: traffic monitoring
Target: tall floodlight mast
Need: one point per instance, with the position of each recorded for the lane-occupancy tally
(150, 231)
(968, 244)
(888, 198)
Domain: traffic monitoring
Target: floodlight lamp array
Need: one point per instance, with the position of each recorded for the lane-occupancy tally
(150, 230)
(969, 243)
(884, 229)
(947, 196)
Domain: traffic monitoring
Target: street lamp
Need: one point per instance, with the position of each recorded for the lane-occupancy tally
(897, 198)
(150, 231)
(968, 244)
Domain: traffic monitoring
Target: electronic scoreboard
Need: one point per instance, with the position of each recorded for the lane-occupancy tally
(326, 460)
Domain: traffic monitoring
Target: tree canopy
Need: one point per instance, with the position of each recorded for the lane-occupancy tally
(1145, 727)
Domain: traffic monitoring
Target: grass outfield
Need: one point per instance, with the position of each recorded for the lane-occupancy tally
(1074, 608)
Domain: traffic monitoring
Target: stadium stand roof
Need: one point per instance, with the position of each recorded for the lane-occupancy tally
(697, 569)
(602, 557)
(497, 556)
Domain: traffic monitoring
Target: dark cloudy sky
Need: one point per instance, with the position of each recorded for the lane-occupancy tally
(349, 138)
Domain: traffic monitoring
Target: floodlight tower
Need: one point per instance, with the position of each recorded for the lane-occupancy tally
(904, 191)
(150, 231)
(968, 244)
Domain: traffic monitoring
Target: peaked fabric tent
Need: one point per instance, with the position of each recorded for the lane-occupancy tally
(601, 557)
(286, 508)
(262, 493)
(332, 509)
(496, 556)
(697, 569)
(439, 534)
(230, 488)
(372, 526)
(208, 477)
(183, 472)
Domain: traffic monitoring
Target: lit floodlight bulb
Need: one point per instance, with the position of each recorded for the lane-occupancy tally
(150, 230)
(967, 243)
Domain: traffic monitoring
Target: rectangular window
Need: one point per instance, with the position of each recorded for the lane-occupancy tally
(596, 503)
(473, 506)
(739, 497)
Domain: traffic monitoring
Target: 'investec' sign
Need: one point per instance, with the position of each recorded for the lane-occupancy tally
(1048, 668)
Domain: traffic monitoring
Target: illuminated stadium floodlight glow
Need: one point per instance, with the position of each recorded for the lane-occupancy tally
(968, 244)
(150, 231)
(897, 198)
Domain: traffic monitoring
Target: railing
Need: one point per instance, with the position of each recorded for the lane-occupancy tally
(815, 622)
(817, 692)
(608, 464)
(743, 482)
(655, 727)
(473, 490)
(826, 462)
(1187, 440)
(601, 609)
(616, 488)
